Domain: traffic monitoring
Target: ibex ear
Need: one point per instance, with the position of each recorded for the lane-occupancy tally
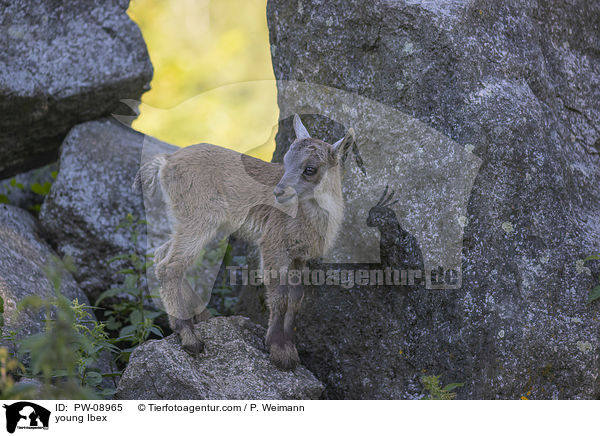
(343, 144)
(301, 132)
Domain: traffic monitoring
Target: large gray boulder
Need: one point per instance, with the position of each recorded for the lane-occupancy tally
(61, 64)
(233, 366)
(23, 256)
(92, 196)
(517, 85)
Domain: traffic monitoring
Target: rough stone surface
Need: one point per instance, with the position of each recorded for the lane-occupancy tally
(234, 366)
(23, 256)
(61, 64)
(92, 196)
(516, 84)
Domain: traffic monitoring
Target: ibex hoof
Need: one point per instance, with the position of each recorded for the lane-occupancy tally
(193, 349)
(285, 357)
(191, 344)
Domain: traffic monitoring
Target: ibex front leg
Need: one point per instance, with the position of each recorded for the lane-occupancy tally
(295, 293)
(284, 301)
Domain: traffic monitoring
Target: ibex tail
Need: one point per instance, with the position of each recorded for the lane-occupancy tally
(147, 177)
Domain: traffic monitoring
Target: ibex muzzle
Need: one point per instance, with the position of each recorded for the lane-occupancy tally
(209, 188)
(283, 193)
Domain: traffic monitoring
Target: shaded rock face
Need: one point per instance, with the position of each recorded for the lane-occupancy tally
(23, 256)
(516, 83)
(234, 366)
(92, 196)
(62, 64)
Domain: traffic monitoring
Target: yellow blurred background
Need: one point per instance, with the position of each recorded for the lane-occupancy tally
(213, 80)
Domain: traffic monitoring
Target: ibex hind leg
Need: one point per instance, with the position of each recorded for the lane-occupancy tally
(180, 301)
(183, 322)
(161, 252)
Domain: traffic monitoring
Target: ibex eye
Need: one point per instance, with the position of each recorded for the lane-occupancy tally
(309, 171)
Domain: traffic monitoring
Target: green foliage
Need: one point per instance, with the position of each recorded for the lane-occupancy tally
(434, 391)
(63, 355)
(225, 300)
(10, 367)
(40, 189)
(127, 314)
(13, 183)
(9, 390)
(36, 188)
(8, 188)
(595, 291)
(91, 351)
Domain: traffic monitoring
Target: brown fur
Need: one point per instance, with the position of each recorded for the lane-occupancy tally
(292, 215)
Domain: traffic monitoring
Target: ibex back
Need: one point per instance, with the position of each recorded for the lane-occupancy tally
(292, 211)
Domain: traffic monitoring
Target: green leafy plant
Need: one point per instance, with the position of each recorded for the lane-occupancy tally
(9, 389)
(39, 189)
(42, 189)
(7, 336)
(434, 391)
(63, 354)
(8, 187)
(595, 291)
(130, 312)
(10, 367)
(224, 297)
(98, 345)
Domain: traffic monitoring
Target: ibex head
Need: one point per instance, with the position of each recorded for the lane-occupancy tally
(307, 163)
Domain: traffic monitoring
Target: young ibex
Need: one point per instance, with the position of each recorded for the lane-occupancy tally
(292, 211)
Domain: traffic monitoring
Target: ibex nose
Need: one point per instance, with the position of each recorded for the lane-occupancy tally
(282, 194)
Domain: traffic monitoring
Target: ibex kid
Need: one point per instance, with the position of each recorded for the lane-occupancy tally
(293, 211)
